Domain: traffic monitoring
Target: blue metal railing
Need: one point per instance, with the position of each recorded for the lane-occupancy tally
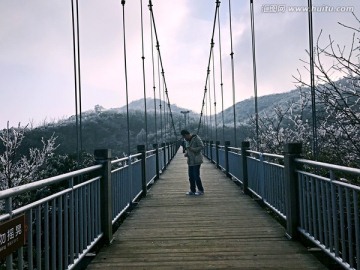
(328, 208)
(266, 180)
(150, 167)
(329, 211)
(235, 164)
(64, 226)
(222, 157)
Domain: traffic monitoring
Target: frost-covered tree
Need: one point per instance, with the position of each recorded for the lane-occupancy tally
(338, 100)
(15, 169)
(285, 123)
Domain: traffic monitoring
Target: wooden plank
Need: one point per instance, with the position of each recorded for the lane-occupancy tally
(223, 229)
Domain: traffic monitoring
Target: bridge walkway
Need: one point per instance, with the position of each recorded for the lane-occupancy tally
(224, 229)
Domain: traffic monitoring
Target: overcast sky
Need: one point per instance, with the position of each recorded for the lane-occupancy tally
(36, 53)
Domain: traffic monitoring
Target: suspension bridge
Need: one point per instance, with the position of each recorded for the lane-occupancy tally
(260, 210)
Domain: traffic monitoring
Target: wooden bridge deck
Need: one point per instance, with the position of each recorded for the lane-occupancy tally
(222, 229)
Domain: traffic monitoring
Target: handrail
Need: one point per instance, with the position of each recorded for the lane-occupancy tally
(326, 179)
(265, 154)
(109, 193)
(125, 158)
(328, 166)
(327, 209)
(4, 194)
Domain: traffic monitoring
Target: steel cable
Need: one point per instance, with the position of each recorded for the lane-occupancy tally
(312, 82)
(214, 89)
(221, 80)
(208, 65)
(143, 67)
(254, 72)
(77, 78)
(153, 73)
(162, 68)
(232, 75)
(126, 79)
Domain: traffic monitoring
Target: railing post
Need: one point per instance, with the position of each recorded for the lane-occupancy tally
(262, 177)
(156, 147)
(291, 151)
(227, 144)
(217, 154)
(244, 154)
(169, 154)
(206, 143)
(103, 156)
(163, 145)
(211, 152)
(172, 150)
(141, 149)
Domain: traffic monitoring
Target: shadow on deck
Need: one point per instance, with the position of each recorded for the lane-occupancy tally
(222, 229)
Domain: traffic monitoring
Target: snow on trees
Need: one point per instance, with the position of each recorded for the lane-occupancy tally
(17, 170)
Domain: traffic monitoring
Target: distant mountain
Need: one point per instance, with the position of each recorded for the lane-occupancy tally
(244, 109)
(139, 105)
(107, 128)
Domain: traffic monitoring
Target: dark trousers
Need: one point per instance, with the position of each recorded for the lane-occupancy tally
(194, 178)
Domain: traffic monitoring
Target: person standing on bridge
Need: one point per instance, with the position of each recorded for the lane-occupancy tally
(194, 146)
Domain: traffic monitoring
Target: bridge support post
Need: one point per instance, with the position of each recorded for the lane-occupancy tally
(227, 144)
(163, 145)
(291, 151)
(141, 149)
(156, 147)
(217, 154)
(103, 156)
(211, 152)
(244, 154)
